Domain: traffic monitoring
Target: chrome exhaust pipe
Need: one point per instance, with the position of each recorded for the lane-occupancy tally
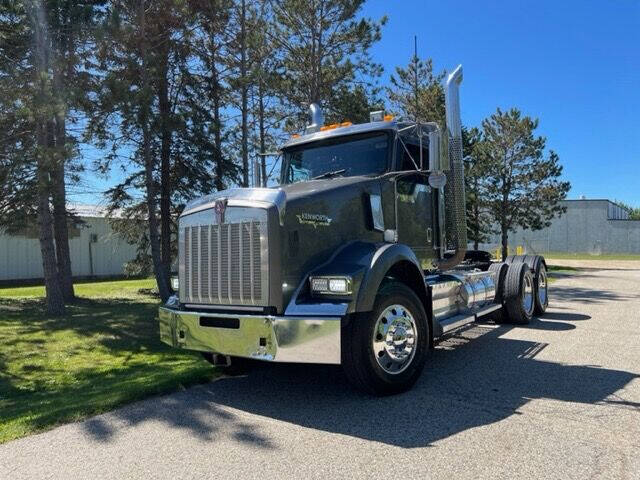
(452, 104)
(316, 118)
(455, 216)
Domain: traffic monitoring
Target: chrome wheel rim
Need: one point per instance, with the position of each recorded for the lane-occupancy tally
(527, 294)
(395, 339)
(542, 286)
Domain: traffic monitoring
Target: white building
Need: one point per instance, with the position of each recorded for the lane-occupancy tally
(588, 226)
(95, 249)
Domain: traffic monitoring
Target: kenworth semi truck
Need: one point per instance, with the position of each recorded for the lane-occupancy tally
(356, 258)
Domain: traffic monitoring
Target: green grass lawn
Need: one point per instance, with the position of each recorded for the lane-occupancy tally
(561, 268)
(588, 256)
(105, 352)
(557, 271)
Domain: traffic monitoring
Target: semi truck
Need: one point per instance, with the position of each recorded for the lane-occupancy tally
(356, 258)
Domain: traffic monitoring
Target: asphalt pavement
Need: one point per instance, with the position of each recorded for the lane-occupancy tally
(559, 398)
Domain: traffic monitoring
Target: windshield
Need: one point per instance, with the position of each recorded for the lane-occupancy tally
(346, 156)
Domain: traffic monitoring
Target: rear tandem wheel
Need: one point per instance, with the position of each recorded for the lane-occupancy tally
(538, 268)
(519, 294)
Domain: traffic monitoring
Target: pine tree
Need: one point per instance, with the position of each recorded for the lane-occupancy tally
(634, 212)
(354, 104)
(479, 224)
(240, 62)
(416, 92)
(325, 51)
(43, 122)
(146, 56)
(522, 185)
(207, 90)
(43, 84)
(267, 113)
(70, 25)
(18, 202)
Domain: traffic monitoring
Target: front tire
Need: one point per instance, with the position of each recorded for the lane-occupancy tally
(384, 351)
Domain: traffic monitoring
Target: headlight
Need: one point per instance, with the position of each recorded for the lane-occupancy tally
(175, 283)
(331, 285)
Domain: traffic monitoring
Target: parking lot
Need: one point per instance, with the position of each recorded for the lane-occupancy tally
(559, 398)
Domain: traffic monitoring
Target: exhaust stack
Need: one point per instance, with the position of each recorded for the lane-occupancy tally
(316, 118)
(455, 218)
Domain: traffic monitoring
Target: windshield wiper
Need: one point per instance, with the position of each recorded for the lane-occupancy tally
(329, 174)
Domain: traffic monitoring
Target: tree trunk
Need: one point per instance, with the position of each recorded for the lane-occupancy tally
(263, 160)
(217, 127)
(53, 292)
(505, 243)
(165, 164)
(161, 274)
(244, 96)
(61, 228)
(59, 197)
(54, 297)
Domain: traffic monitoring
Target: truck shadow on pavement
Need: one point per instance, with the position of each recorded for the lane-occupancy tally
(589, 295)
(473, 378)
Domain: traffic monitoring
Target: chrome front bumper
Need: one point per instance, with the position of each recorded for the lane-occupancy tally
(276, 339)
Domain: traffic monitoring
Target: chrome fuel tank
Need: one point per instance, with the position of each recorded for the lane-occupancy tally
(457, 292)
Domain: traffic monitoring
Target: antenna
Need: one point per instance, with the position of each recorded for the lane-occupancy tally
(415, 73)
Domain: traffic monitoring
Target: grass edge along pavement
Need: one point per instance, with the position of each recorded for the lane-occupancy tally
(104, 353)
(559, 271)
(589, 256)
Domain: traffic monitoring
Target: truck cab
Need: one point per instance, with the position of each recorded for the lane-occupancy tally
(353, 259)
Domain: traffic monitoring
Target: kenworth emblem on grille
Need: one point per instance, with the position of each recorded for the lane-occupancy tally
(314, 219)
(220, 207)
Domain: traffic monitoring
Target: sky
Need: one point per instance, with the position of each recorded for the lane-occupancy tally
(574, 65)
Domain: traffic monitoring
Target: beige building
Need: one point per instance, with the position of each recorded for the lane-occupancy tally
(95, 249)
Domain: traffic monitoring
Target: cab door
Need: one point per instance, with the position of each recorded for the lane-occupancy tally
(414, 203)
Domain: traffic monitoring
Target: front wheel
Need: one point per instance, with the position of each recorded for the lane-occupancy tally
(384, 352)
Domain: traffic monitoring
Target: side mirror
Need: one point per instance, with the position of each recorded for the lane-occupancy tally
(438, 158)
(438, 147)
(438, 151)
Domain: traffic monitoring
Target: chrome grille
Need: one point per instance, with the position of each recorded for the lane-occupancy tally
(223, 264)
